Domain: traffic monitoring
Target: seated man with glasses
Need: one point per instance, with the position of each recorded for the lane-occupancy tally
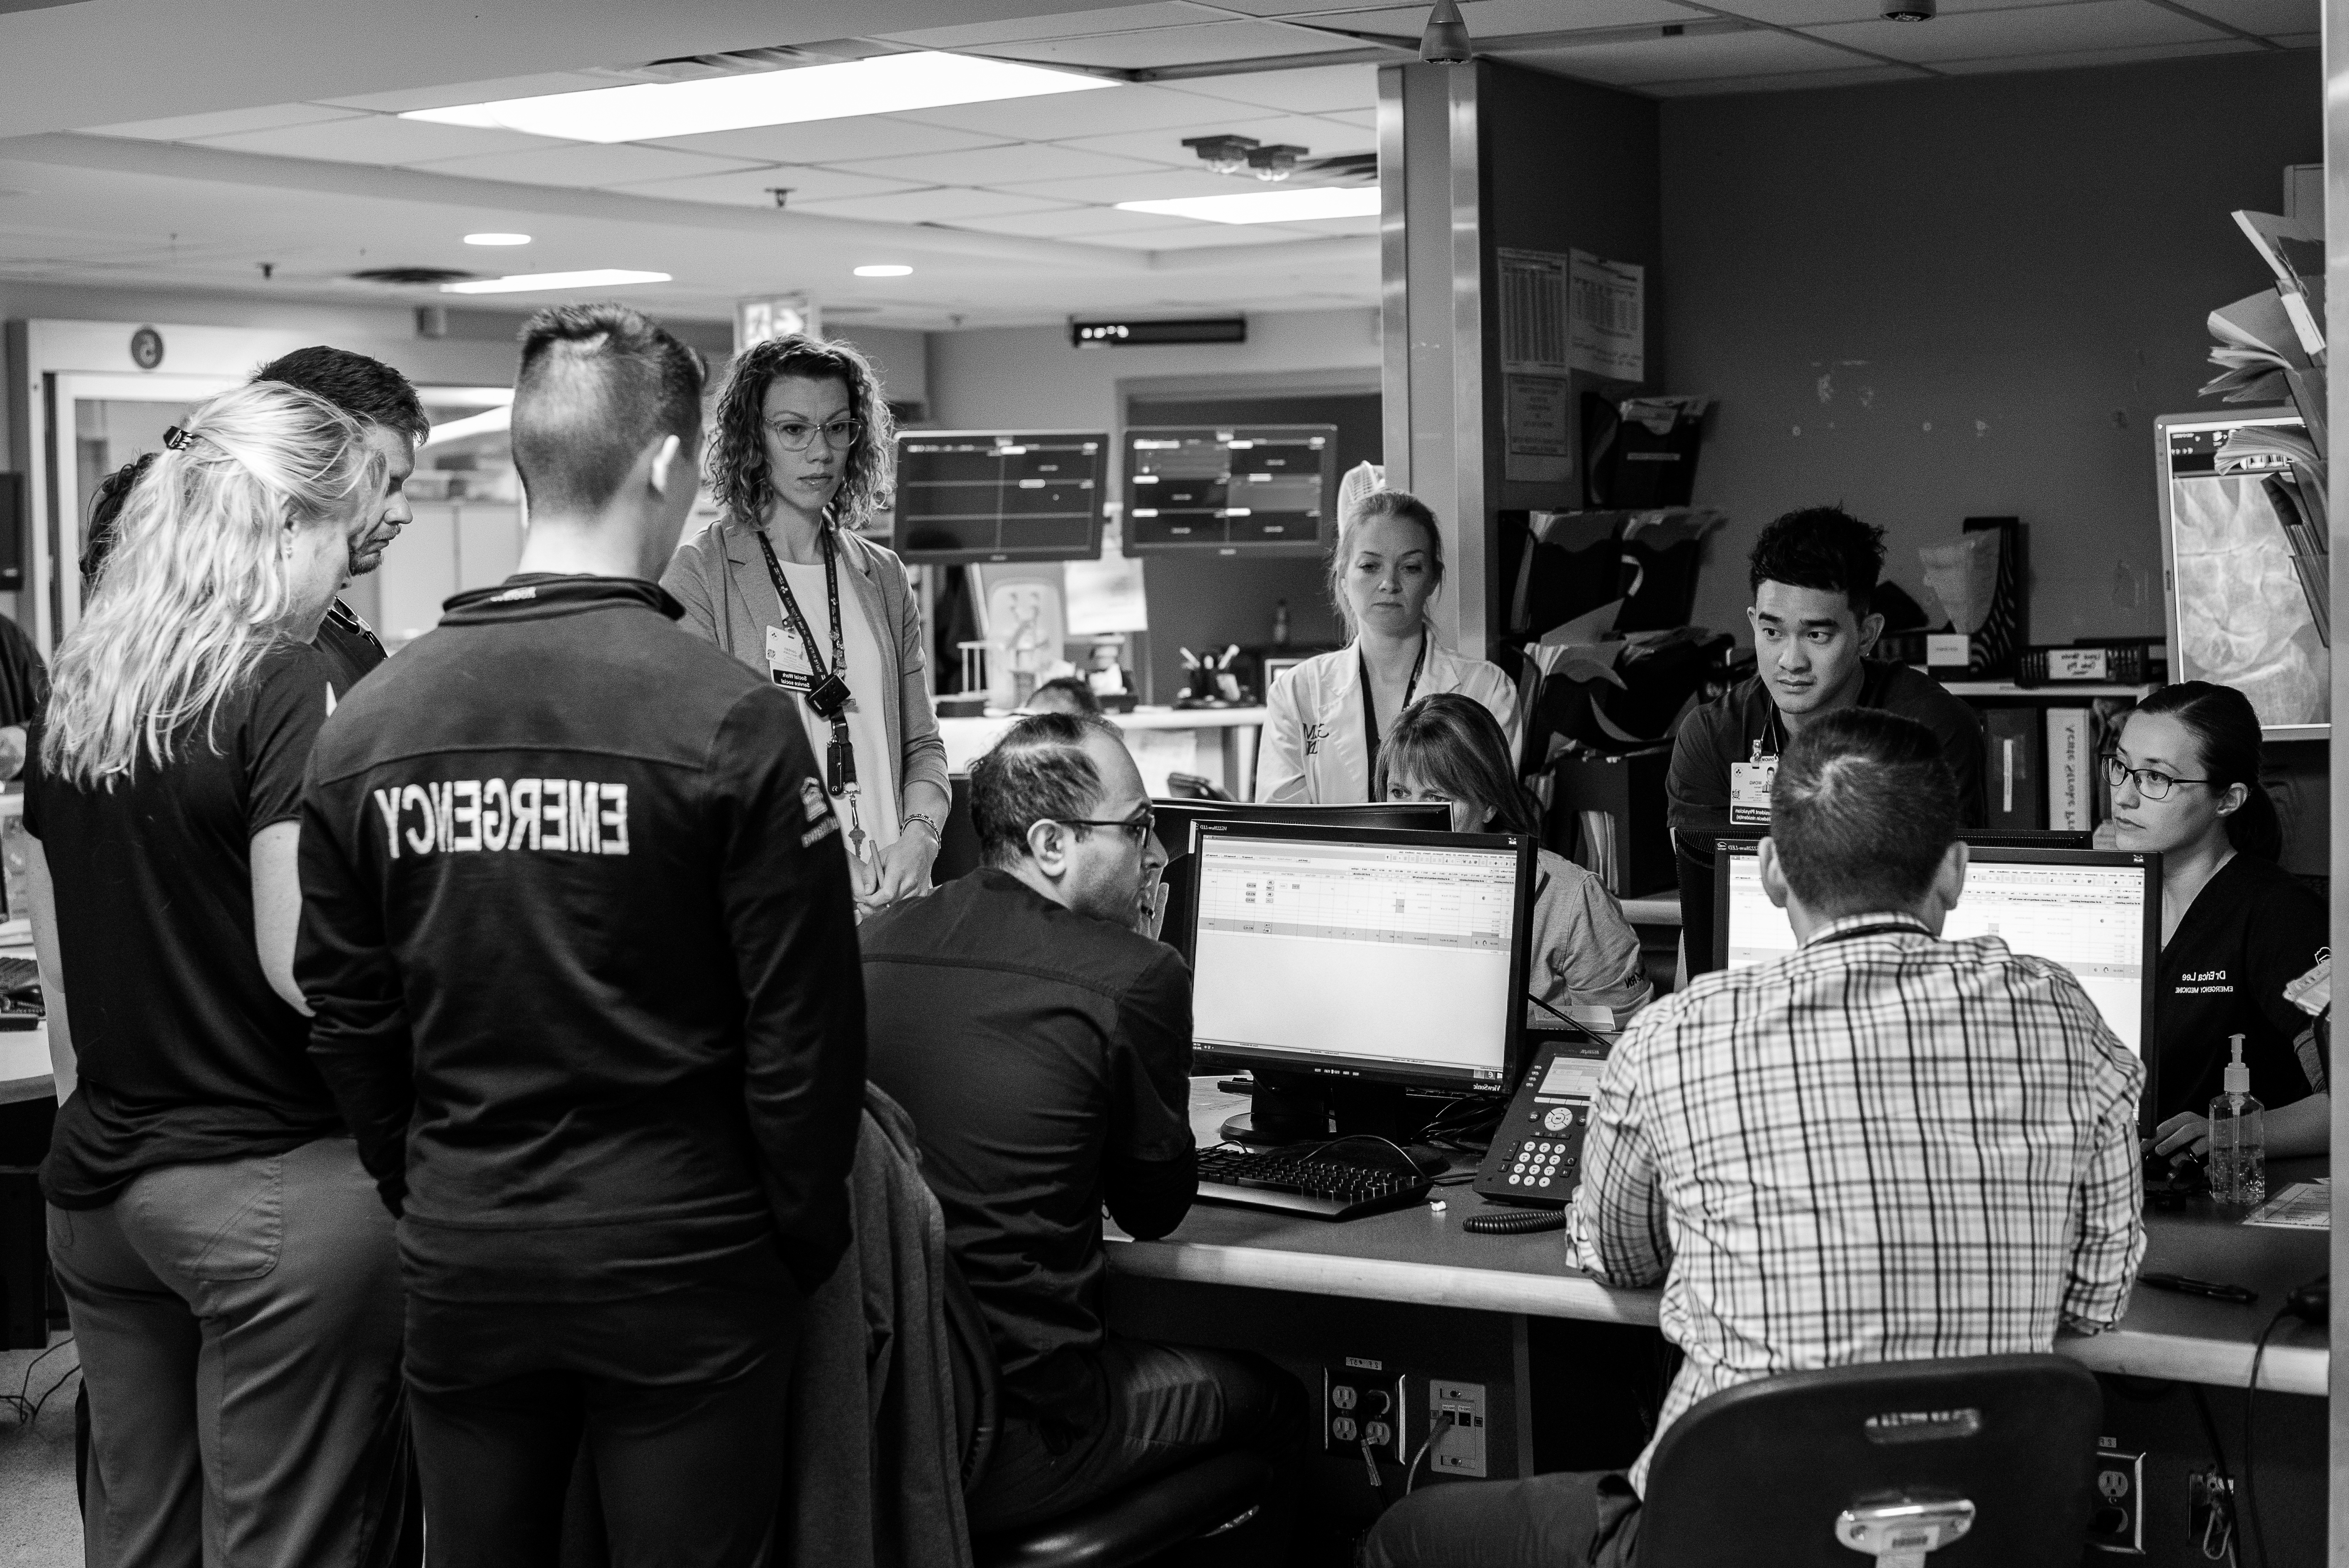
(1040, 1039)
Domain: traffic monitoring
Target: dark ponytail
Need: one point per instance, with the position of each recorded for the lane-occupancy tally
(2227, 733)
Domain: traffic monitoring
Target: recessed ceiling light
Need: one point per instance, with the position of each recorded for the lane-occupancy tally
(1269, 206)
(886, 84)
(524, 282)
(885, 270)
(497, 239)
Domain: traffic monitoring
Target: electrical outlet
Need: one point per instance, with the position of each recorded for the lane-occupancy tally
(1459, 1450)
(2211, 1513)
(1362, 1402)
(2118, 1523)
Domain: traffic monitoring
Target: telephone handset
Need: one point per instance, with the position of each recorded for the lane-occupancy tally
(1536, 1157)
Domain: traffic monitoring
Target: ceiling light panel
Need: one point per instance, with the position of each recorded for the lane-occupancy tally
(541, 283)
(494, 238)
(887, 84)
(1268, 206)
(589, 165)
(885, 270)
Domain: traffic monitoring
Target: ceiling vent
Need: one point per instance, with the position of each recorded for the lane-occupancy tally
(419, 276)
(740, 62)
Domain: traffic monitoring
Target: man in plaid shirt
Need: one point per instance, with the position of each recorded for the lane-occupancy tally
(1885, 1146)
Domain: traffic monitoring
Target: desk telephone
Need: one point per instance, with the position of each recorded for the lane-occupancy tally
(1535, 1156)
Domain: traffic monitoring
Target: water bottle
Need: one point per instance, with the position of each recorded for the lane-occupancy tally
(1281, 624)
(2238, 1139)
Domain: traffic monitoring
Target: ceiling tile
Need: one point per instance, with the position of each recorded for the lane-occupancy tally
(587, 164)
(1718, 87)
(2268, 18)
(1059, 116)
(1066, 25)
(942, 205)
(1198, 236)
(1018, 163)
(1820, 12)
(227, 122)
(1200, 45)
(2072, 61)
(1309, 90)
(831, 140)
(1758, 53)
(1157, 187)
(1368, 225)
(756, 187)
(2098, 24)
(1500, 18)
(1066, 223)
(382, 139)
(473, 92)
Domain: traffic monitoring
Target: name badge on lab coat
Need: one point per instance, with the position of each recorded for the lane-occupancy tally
(1749, 791)
(787, 660)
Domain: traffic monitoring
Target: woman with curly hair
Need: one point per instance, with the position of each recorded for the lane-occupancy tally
(799, 458)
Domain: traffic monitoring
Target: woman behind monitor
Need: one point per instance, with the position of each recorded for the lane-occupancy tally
(1329, 715)
(2236, 928)
(1584, 960)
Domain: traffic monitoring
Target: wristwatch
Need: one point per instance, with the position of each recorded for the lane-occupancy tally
(926, 819)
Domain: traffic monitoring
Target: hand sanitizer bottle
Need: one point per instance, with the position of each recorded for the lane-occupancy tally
(2238, 1139)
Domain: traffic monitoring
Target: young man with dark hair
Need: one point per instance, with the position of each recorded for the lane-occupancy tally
(388, 410)
(1813, 575)
(1042, 1042)
(577, 932)
(1812, 1155)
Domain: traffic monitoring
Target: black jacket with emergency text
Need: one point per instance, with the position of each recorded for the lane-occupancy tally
(577, 930)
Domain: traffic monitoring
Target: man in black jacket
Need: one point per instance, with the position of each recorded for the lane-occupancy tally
(578, 936)
(1043, 1044)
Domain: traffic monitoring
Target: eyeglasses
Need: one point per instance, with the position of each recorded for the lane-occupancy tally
(1138, 829)
(796, 437)
(2151, 785)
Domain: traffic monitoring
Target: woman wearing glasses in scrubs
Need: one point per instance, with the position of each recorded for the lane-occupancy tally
(2236, 928)
(800, 459)
(1328, 716)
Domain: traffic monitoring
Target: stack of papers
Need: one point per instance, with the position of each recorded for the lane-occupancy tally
(2302, 1206)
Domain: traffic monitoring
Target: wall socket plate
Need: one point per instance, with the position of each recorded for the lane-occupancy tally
(1359, 1402)
(2117, 1524)
(1460, 1450)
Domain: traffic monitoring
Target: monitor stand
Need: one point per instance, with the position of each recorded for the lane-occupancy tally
(1303, 1108)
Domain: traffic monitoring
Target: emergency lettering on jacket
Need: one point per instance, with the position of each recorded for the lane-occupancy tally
(457, 815)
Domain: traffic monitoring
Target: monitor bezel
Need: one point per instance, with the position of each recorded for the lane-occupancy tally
(914, 555)
(1727, 848)
(1373, 1070)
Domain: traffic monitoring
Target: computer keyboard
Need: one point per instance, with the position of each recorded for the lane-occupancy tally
(1317, 1183)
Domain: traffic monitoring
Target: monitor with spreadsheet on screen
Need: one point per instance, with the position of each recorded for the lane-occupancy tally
(1362, 953)
(2097, 913)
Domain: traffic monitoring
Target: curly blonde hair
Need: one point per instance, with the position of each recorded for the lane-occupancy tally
(738, 452)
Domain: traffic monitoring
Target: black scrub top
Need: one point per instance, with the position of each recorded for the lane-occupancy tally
(2253, 930)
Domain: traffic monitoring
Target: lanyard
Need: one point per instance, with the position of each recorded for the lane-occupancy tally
(827, 690)
(1369, 713)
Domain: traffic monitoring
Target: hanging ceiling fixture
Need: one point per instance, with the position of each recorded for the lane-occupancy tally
(1909, 10)
(1447, 40)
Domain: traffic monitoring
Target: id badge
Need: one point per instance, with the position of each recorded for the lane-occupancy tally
(1749, 791)
(787, 660)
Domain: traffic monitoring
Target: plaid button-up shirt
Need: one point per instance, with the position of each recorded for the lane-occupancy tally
(1883, 1147)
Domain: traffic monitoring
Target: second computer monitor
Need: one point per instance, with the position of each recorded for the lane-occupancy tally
(1361, 954)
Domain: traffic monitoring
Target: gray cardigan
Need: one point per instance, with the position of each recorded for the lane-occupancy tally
(720, 575)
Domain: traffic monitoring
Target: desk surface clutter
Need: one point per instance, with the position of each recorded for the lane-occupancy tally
(1421, 1255)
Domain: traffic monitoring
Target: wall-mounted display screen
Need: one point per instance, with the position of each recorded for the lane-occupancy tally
(970, 496)
(1247, 490)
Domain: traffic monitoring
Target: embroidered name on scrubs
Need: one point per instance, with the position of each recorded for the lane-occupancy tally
(1315, 734)
(2198, 982)
(462, 816)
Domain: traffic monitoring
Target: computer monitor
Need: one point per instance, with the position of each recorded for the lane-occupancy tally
(2026, 839)
(1336, 959)
(1237, 490)
(976, 497)
(1177, 817)
(2095, 912)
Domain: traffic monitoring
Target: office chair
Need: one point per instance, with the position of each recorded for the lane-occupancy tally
(1124, 1530)
(1984, 1460)
(958, 851)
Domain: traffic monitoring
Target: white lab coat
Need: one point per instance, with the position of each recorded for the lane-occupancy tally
(1313, 747)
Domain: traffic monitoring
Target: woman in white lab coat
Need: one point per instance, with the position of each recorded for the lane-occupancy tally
(1321, 737)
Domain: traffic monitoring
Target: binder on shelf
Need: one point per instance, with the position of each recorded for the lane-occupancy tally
(2071, 771)
(2114, 662)
(2013, 790)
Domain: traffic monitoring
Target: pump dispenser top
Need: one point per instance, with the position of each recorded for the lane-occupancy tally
(2239, 1077)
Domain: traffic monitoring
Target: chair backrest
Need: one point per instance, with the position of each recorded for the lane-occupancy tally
(958, 851)
(1771, 1471)
(979, 1413)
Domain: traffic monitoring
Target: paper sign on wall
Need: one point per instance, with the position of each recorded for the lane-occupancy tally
(1535, 410)
(1608, 331)
(1534, 332)
(1106, 596)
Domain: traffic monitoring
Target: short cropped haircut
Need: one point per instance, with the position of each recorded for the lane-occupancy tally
(1037, 772)
(1074, 689)
(598, 384)
(369, 390)
(1821, 547)
(1862, 811)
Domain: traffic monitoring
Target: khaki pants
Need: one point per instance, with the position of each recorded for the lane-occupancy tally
(239, 1324)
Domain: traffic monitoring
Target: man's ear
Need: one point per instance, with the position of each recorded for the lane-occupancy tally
(664, 467)
(1949, 879)
(1871, 627)
(1048, 844)
(1773, 874)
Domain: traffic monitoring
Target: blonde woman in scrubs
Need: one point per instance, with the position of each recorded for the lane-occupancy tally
(1329, 714)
